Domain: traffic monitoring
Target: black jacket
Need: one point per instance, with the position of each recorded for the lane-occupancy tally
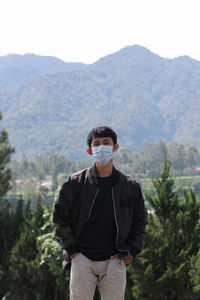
(74, 205)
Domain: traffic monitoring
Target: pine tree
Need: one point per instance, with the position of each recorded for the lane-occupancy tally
(195, 272)
(5, 154)
(28, 213)
(24, 272)
(6, 215)
(38, 214)
(7, 239)
(19, 216)
(161, 271)
(25, 279)
(35, 263)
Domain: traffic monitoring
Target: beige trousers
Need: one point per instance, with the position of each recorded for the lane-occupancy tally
(108, 275)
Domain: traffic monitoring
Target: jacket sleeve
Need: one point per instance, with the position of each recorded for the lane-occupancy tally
(62, 217)
(140, 219)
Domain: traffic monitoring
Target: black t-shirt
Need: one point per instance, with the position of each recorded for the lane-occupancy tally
(98, 238)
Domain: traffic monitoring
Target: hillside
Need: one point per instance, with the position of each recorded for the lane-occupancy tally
(17, 70)
(141, 95)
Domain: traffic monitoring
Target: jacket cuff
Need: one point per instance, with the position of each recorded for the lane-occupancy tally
(134, 252)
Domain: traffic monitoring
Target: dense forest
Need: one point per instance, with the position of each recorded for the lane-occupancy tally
(46, 173)
(50, 105)
(168, 267)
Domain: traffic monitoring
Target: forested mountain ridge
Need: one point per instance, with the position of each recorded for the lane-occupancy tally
(143, 96)
(16, 70)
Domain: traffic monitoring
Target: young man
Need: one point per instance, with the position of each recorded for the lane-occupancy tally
(100, 220)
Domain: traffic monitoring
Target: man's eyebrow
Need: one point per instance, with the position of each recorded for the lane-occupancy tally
(99, 139)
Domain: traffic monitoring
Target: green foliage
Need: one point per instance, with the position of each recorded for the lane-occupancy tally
(195, 272)
(23, 266)
(40, 167)
(35, 262)
(162, 270)
(5, 154)
(8, 234)
(164, 203)
(38, 215)
(7, 240)
(56, 168)
(148, 162)
(150, 159)
(177, 156)
(50, 261)
(168, 266)
(28, 212)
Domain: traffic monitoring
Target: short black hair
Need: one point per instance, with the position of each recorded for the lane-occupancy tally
(101, 131)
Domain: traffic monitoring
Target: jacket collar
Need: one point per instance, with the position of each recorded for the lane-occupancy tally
(94, 174)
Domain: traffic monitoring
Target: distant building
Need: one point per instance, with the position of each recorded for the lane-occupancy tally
(197, 170)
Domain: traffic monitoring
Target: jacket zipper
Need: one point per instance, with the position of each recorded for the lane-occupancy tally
(115, 216)
(114, 208)
(92, 205)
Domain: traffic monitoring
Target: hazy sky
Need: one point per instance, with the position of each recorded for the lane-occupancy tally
(85, 30)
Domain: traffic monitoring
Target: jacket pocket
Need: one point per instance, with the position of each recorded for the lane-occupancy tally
(128, 201)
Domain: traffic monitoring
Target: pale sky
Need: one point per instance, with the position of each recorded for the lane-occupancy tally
(86, 30)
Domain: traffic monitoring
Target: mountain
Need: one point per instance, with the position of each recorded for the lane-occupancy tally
(143, 96)
(17, 70)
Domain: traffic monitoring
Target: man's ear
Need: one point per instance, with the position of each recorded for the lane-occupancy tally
(116, 147)
(89, 151)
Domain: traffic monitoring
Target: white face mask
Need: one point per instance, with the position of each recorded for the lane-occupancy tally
(103, 154)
